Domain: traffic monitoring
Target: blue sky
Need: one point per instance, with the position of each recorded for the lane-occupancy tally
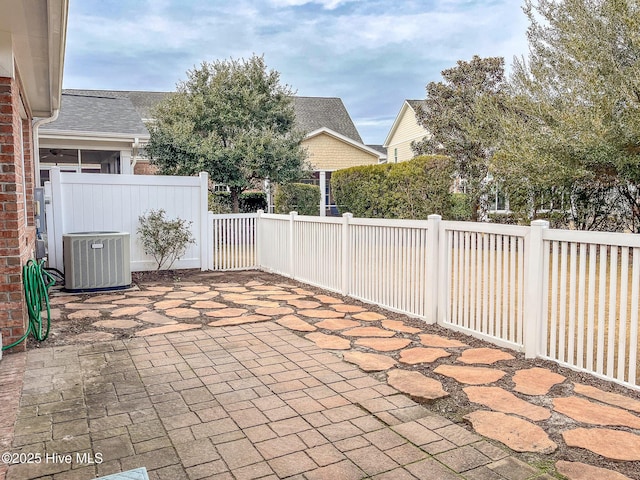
(371, 53)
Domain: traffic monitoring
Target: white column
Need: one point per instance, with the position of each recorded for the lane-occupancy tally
(6, 55)
(323, 194)
(534, 316)
(125, 162)
(435, 254)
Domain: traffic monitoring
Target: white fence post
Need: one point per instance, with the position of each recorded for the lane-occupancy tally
(257, 239)
(533, 314)
(55, 235)
(346, 254)
(205, 243)
(433, 252)
(210, 239)
(292, 245)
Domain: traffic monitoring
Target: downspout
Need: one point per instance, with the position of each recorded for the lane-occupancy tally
(36, 142)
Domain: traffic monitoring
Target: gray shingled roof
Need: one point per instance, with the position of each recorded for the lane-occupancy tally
(312, 113)
(106, 114)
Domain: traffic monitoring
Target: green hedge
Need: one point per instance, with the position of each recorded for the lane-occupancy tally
(220, 202)
(298, 197)
(413, 189)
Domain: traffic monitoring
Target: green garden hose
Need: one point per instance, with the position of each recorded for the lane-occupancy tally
(36, 281)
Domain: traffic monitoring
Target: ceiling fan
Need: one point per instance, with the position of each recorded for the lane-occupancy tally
(55, 154)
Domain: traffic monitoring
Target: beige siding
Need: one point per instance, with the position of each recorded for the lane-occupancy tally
(408, 131)
(329, 153)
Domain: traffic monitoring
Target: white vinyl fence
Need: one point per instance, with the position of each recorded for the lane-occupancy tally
(568, 296)
(89, 202)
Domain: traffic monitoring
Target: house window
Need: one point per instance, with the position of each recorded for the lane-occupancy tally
(395, 155)
(77, 160)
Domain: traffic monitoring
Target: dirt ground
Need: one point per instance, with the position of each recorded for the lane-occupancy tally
(454, 407)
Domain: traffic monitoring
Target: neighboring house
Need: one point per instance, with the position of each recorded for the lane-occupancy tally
(32, 47)
(92, 134)
(404, 131)
(104, 131)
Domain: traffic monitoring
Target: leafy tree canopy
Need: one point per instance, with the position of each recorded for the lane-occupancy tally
(232, 119)
(461, 125)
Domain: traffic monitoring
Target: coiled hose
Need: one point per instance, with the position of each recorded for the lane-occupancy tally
(36, 281)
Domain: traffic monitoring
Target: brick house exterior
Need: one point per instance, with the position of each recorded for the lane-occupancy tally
(31, 61)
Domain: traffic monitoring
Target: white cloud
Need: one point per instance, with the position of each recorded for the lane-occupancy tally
(328, 4)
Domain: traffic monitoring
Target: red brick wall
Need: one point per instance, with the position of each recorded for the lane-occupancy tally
(143, 167)
(17, 230)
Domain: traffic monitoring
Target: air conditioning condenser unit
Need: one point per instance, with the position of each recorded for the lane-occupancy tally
(96, 261)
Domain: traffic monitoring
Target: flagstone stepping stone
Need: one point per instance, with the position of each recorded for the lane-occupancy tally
(182, 313)
(233, 289)
(253, 283)
(369, 316)
(399, 326)
(319, 313)
(134, 301)
(274, 311)
(304, 304)
(430, 340)
(294, 323)
(158, 288)
(178, 327)
(239, 320)
(128, 311)
(166, 304)
(196, 288)
(329, 342)
(416, 355)
(485, 356)
(536, 381)
(613, 444)
(203, 296)
(585, 411)
(225, 284)
(91, 337)
(91, 306)
(582, 471)
(56, 313)
(516, 433)
(302, 291)
(80, 314)
(57, 300)
(268, 293)
(416, 385)
(182, 295)
(607, 397)
(258, 303)
(155, 317)
(337, 324)
(144, 293)
(288, 296)
(503, 401)
(267, 288)
(327, 299)
(233, 297)
(370, 362)
(205, 304)
(383, 344)
(226, 312)
(105, 298)
(470, 375)
(115, 324)
(368, 332)
(343, 307)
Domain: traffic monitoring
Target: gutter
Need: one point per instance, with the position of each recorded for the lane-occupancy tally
(36, 142)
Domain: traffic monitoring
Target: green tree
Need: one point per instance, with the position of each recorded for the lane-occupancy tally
(572, 134)
(232, 119)
(458, 114)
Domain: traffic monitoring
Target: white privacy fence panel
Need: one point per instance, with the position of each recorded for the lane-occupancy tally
(591, 302)
(318, 240)
(482, 277)
(275, 252)
(88, 202)
(233, 240)
(388, 263)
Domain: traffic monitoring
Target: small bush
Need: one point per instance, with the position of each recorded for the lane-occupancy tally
(165, 240)
(299, 197)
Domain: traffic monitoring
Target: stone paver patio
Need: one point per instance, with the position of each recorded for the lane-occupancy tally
(261, 378)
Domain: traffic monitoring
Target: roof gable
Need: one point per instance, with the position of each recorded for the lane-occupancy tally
(408, 107)
(313, 113)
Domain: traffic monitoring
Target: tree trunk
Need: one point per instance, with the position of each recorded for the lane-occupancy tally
(235, 200)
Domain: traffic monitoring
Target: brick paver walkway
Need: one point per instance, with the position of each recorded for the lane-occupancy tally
(216, 384)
